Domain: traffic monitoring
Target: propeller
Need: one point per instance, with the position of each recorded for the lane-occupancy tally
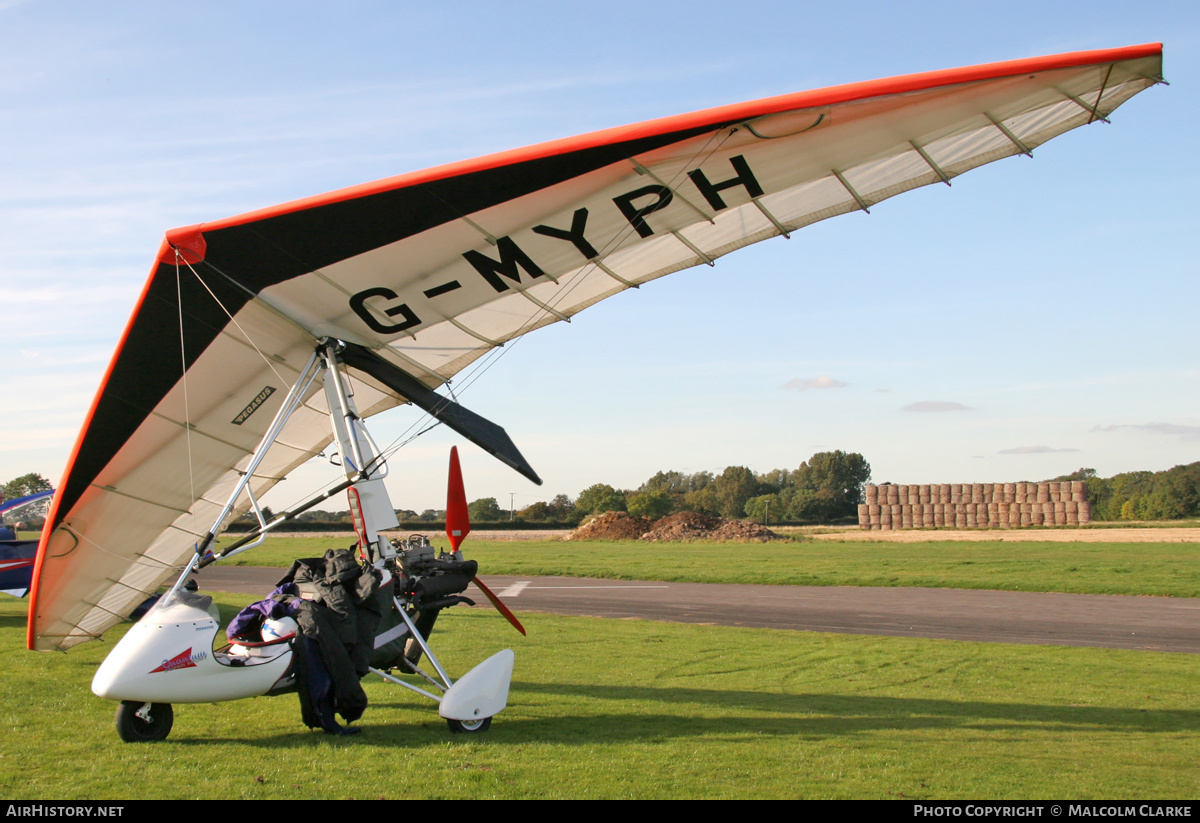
(458, 526)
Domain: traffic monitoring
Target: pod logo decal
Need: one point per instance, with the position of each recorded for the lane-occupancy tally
(183, 660)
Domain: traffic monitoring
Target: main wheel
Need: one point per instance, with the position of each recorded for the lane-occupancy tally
(139, 722)
(469, 726)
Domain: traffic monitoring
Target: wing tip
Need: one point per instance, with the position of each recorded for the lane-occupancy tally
(184, 245)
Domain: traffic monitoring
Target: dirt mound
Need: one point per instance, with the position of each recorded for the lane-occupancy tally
(743, 531)
(683, 526)
(673, 528)
(695, 526)
(612, 526)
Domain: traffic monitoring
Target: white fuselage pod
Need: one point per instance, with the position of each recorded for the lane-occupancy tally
(168, 657)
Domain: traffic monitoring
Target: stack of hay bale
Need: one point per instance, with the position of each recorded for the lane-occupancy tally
(975, 506)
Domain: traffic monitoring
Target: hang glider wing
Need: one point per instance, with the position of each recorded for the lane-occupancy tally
(431, 270)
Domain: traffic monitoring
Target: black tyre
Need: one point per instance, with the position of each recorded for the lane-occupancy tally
(151, 725)
(469, 726)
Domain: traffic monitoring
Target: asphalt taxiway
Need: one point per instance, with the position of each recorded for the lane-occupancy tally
(1169, 624)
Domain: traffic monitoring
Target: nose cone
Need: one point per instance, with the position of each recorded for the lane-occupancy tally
(107, 680)
(156, 661)
(127, 671)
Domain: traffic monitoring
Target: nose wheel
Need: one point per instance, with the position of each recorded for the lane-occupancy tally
(469, 726)
(139, 722)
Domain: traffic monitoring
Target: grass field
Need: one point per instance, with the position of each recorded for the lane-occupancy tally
(635, 709)
(1171, 569)
(632, 709)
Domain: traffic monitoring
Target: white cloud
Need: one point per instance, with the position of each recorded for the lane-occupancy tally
(1034, 450)
(935, 406)
(822, 382)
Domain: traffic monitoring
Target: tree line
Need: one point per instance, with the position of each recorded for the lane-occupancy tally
(1172, 494)
(826, 488)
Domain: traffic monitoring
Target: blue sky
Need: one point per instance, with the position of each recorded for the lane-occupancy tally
(1034, 318)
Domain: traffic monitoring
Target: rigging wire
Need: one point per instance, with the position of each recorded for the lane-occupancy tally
(232, 319)
(391, 449)
(245, 334)
(380, 458)
(187, 415)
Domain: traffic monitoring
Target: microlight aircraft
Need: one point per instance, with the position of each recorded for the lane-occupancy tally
(17, 556)
(260, 339)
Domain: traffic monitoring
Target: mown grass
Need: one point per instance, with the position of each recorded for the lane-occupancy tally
(1171, 569)
(634, 709)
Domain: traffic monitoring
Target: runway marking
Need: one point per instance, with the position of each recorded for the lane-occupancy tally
(540, 588)
(515, 589)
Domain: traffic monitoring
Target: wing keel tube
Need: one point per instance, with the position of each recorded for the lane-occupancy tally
(482, 432)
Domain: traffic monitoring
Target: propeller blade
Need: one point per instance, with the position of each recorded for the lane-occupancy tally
(500, 607)
(458, 523)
